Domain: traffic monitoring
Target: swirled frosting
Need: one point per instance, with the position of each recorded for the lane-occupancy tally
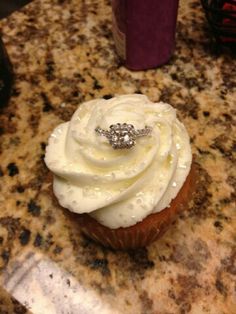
(119, 187)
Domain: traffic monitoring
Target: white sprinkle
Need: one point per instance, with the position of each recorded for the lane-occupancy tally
(107, 176)
(182, 166)
(97, 191)
(108, 197)
(139, 194)
(178, 146)
(174, 184)
(62, 105)
(167, 110)
(171, 156)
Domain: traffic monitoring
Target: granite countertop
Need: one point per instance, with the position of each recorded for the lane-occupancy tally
(63, 54)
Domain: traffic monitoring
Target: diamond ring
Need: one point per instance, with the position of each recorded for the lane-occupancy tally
(123, 135)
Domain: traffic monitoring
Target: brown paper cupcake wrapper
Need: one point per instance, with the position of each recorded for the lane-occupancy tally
(144, 232)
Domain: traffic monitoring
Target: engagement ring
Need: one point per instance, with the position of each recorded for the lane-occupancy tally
(123, 135)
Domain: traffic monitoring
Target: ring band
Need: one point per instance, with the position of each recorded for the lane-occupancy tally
(123, 135)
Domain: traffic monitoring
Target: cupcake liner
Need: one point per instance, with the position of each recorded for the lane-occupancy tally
(144, 232)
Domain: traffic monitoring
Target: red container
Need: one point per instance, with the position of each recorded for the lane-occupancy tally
(144, 31)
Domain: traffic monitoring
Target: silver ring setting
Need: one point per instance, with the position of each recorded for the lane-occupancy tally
(123, 135)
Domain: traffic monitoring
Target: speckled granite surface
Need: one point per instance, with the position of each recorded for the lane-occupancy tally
(63, 54)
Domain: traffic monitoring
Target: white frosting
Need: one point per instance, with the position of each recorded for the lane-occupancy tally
(119, 187)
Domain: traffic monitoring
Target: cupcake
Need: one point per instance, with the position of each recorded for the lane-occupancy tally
(123, 166)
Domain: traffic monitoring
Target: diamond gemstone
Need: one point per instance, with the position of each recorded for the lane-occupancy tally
(114, 138)
(126, 138)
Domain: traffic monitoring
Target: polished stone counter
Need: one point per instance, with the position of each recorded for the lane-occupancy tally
(63, 54)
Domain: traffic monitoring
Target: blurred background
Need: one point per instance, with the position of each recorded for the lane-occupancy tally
(8, 6)
(6, 70)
